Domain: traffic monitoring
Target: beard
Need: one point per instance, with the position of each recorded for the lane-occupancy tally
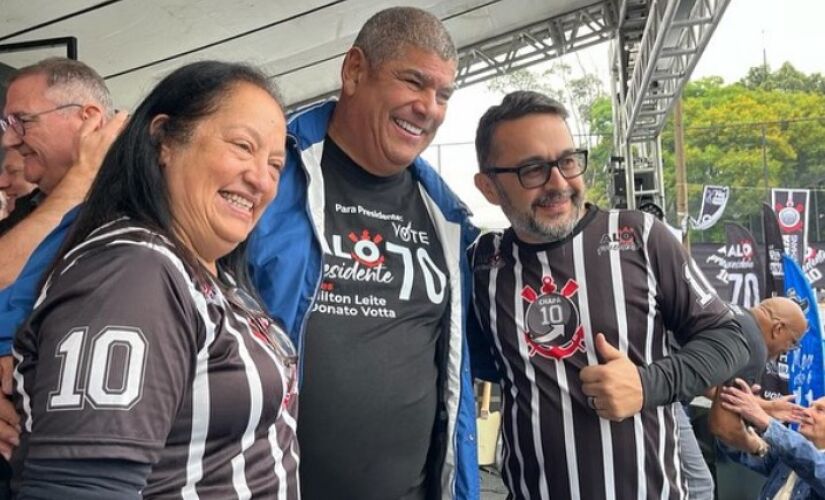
(525, 222)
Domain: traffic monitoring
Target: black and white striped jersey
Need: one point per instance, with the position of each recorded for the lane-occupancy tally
(539, 307)
(129, 356)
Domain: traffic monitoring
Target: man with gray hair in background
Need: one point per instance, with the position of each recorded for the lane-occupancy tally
(59, 117)
(361, 256)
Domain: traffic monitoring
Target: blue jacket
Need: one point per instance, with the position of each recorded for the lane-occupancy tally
(789, 451)
(17, 300)
(286, 258)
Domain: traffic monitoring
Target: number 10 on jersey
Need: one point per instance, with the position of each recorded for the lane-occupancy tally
(111, 379)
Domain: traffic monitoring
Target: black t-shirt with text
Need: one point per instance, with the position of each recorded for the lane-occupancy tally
(369, 395)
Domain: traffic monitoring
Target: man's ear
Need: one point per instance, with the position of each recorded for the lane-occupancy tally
(353, 70)
(92, 111)
(485, 184)
(157, 129)
(776, 328)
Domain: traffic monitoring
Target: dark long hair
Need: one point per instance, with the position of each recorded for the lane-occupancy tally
(131, 182)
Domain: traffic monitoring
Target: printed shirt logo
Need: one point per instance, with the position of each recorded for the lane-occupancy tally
(790, 216)
(494, 261)
(552, 322)
(623, 239)
(365, 249)
(362, 262)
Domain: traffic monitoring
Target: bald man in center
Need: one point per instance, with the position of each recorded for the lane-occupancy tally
(773, 327)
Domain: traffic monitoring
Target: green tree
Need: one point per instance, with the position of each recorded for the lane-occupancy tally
(728, 127)
(786, 78)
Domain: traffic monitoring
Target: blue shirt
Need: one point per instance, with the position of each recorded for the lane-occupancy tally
(789, 451)
(17, 300)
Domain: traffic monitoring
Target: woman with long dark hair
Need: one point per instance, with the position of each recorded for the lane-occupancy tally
(147, 368)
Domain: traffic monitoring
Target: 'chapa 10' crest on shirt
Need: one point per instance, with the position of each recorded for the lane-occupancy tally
(552, 326)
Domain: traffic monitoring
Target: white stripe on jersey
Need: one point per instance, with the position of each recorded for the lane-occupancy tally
(200, 402)
(253, 379)
(117, 232)
(278, 455)
(584, 309)
(491, 290)
(660, 415)
(652, 286)
(621, 321)
(272, 434)
(566, 410)
(530, 373)
(21, 389)
(677, 462)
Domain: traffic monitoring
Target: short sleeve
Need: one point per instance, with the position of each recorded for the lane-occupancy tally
(688, 302)
(107, 357)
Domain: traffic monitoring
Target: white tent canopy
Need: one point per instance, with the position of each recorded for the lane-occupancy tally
(133, 43)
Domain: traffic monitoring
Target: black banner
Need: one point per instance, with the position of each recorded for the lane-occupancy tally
(774, 247)
(741, 266)
(791, 207)
(717, 260)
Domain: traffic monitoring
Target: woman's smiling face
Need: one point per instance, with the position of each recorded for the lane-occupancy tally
(224, 175)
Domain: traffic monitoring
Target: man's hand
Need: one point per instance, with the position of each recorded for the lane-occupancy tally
(6, 370)
(9, 420)
(740, 400)
(93, 141)
(614, 387)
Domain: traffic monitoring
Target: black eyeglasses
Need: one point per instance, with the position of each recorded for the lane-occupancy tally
(17, 121)
(267, 329)
(535, 174)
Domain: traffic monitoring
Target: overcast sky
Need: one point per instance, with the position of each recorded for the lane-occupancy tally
(789, 30)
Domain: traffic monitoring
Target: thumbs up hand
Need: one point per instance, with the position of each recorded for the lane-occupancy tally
(613, 387)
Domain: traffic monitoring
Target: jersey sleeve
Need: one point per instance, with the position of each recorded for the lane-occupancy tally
(106, 358)
(713, 346)
(688, 302)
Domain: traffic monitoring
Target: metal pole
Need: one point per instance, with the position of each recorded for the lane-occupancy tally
(681, 171)
(816, 210)
(765, 163)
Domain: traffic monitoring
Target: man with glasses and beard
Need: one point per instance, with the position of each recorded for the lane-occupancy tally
(573, 308)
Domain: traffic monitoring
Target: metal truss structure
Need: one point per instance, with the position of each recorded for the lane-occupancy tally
(657, 46)
(536, 43)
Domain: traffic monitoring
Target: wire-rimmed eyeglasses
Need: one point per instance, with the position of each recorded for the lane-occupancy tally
(796, 337)
(537, 173)
(17, 121)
